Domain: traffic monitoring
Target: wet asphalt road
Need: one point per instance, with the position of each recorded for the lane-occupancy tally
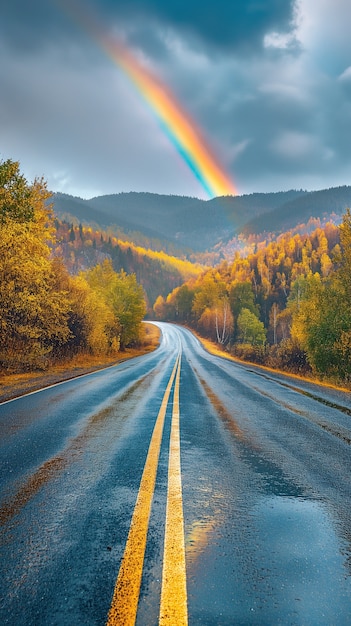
(266, 484)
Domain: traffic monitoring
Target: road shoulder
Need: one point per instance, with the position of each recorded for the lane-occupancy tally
(15, 385)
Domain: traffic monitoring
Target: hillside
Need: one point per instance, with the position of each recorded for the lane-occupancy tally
(316, 204)
(285, 304)
(83, 247)
(180, 224)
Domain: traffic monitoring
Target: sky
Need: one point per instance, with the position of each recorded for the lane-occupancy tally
(266, 83)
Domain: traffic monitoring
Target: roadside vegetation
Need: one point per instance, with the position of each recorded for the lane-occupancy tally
(48, 316)
(17, 383)
(287, 305)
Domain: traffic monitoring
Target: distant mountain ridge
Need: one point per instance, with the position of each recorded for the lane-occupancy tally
(197, 224)
(312, 204)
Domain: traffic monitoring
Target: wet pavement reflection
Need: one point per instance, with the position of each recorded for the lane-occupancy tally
(266, 488)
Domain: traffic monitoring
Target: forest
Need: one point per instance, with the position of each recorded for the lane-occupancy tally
(82, 247)
(286, 305)
(67, 289)
(48, 314)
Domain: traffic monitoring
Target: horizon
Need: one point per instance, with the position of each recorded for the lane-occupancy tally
(151, 193)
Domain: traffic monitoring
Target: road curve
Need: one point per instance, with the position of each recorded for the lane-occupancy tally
(176, 488)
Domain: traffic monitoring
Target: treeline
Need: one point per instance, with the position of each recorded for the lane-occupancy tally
(286, 305)
(46, 314)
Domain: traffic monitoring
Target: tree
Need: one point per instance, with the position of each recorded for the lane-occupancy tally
(211, 308)
(345, 261)
(128, 302)
(207, 294)
(328, 331)
(250, 329)
(184, 298)
(33, 308)
(122, 293)
(321, 319)
(16, 196)
(33, 317)
(91, 321)
(217, 321)
(241, 296)
(274, 320)
(160, 308)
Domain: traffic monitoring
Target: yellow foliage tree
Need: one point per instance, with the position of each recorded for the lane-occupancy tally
(93, 324)
(123, 296)
(33, 310)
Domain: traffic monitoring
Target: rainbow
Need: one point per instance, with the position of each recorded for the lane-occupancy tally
(175, 123)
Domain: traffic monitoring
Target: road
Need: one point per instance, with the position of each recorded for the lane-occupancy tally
(176, 488)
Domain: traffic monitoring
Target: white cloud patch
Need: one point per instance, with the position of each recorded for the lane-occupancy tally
(285, 91)
(294, 145)
(280, 41)
(346, 75)
(324, 32)
(234, 152)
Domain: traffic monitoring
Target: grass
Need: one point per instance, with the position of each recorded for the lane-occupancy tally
(214, 349)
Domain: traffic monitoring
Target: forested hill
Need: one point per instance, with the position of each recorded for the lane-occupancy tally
(82, 248)
(313, 204)
(166, 222)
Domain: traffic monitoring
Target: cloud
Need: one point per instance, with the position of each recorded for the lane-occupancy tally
(222, 24)
(86, 132)
(346, 75)
(294, 145)
(225, 25)
(268, 82)
(324, 32)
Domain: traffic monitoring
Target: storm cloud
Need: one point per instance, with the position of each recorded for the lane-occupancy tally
(268, 82)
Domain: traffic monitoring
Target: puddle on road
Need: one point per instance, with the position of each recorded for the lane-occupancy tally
(280, 563)
(305, 568)
(261, 548)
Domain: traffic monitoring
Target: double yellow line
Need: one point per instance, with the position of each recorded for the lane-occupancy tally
(173, 607)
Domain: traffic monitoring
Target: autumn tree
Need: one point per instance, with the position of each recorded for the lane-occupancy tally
(212, 308)
(125, 297)
(321, 313)
(94, 328)
(250, 329)
(328, 334)
(17, 197)
(241, 296)
(344, 272)
(183, 301)
(160, 308)
(128, 302)
(33, 309)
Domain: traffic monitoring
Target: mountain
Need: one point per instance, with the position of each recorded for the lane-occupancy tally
(181, 222)
(318, 204)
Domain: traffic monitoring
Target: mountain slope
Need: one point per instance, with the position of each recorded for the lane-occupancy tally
(199, 224)
(82, 248)
(312, 204)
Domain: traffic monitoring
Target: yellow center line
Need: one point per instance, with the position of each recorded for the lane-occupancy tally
(173, 609)
(127, 589)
